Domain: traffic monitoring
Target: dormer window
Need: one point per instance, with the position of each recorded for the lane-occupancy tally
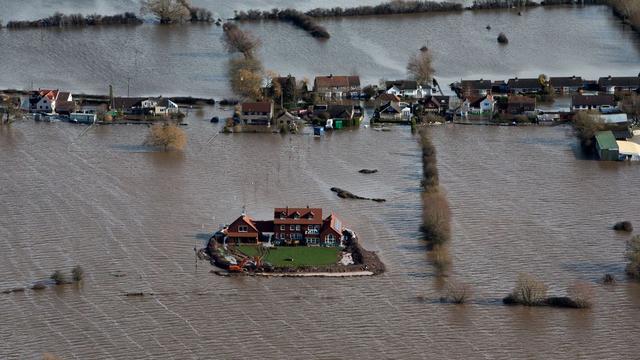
(243, 228)
(283, 215)
(310, 215)
(296, 215)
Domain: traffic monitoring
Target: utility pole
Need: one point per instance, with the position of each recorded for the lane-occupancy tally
(128, 80)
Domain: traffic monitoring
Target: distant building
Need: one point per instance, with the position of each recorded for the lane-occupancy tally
(435, 104)
(524, 86)
(256, 113)
(288, 121)
(332, 86)
(520, 104)
(613, 85)
(407, 88)
(159, 106)
(44, 100)
(592, 102)
(479, 104)
(475, 87)
(565, 85)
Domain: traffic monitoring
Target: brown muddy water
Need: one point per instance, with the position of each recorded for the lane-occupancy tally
(191, 60)
(522, 202)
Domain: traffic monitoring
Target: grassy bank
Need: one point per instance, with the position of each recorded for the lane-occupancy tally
(296, 256)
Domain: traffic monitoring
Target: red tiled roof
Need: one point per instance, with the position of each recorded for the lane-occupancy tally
(242, 234)
(262, 107)
(388, 97)
(303, 212)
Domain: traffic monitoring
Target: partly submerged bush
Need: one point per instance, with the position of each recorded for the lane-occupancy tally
(623, 226)
(436, 218)
(582, 294)
(528, 291)
(458, 292)
(77, 273)
(58, 277)
(502, 38)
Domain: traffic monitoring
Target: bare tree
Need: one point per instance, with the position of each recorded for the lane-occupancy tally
(420, 67)
(9, 110)
(237, 40)
(167, 11)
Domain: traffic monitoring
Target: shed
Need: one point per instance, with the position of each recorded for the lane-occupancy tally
(629, 150)
(607, 146)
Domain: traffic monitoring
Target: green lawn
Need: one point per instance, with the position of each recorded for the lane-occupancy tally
(301, 255)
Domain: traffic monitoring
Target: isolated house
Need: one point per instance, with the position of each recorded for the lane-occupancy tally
(243, 231)
(256, 113)
(336, 86)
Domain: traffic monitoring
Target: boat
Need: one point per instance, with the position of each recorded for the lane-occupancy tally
(318, 131)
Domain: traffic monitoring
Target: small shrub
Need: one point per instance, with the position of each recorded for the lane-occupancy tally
(529, 291)
(502, 38)
(623, 226)
(58, 277)
(608, 279)
(633, 256)
(582, 294)
(77, 273)
(458, 292)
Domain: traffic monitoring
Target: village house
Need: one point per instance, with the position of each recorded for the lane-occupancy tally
(338, 116)
(407, 88)
(290, 226)
(524, 86)
(435, 104)
(256, 113)
(517, 104)
(565, 85)
(159, 106)
(475, 87)
(479, 105)
(389, 112)
(64, 104)
(44, 100)
(384, 98)
(288, 121)
(329, 87)
(613, 85)
(603, 103)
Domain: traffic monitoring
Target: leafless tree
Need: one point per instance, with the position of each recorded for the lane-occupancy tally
(237, 40)
(168, 136)
(420, 67)
(167, 11)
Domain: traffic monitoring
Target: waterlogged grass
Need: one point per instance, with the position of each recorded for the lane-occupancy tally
(301, 255)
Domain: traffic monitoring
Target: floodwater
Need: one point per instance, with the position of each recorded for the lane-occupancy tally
(522, 201)
(191, 60)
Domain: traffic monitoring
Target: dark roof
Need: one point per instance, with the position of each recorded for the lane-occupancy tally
(261, 107)
(63, 95)
(572, 81)
(629, 81)
(436, 101)
(517, 83)
(622, 134)
(340, 111)
(337, 81)
(476, 84)
(593, 100)
(163, 102)
(606, 140)
(475, 101)
(127, 102)
(390, 108)
(264, 226)
(402, 84)
(388, 97)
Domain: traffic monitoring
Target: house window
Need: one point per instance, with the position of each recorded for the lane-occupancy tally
(282, 215)
(312, 241)
(296, 236)
(283, 227)
(330, 238)
(292, 227)
(243, 228)
(297, 227)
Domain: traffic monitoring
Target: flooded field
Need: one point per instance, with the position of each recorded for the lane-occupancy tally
(191, 60)
(522, 202)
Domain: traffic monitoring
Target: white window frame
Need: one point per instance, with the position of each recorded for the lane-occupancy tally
(243, 228)
(283, 227)
(292, 227)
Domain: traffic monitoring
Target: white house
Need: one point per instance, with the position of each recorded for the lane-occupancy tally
(43, 100)
(407, 88)
(481, 105)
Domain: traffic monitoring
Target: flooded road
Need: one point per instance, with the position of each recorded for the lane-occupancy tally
(191, 60)
(522, 202)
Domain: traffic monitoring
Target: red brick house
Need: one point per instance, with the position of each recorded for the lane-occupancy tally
(243, 231)
(290, 226)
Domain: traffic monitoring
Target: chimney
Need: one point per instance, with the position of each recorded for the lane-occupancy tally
(330, 76)
(573, 77)
(609, 77)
